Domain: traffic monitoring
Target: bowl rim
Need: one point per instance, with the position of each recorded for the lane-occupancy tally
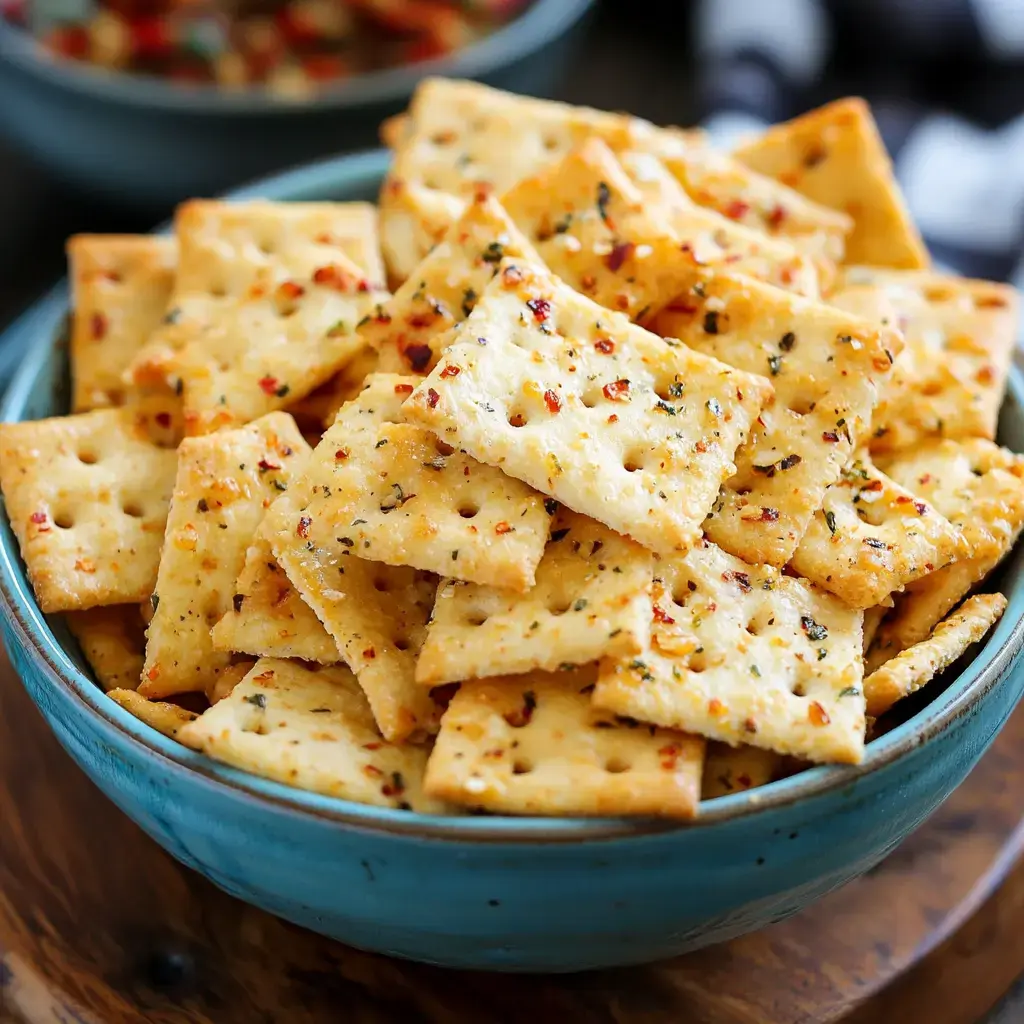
(541, 23)
(45, 320)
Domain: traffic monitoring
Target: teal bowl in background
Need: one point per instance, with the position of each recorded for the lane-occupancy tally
(148, 143)
(498, 893)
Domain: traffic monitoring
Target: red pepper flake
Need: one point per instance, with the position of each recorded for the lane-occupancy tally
(304, 524)
(373, 771)
(332, 276)
(614, 418)
(341, 454)
(451, 371)
(432, 398)
(503, 527)
(701, 446)
(741, 579)
(715, 706)
(98, 326)
(662, 616)
(511, 276)
(370, 653)
(990, 302)
(552, 401)
(776, 217)
(540, 308)
(769, 515)
(817, 715)
(986, 375)
(163, 419)
(396, 787)
(418, 356)
(605, 346)
(737, 209)
(420, 320)
(289, 291)
(266, 467)
(921, 507)
(617, 391)
(669, 755)
(751, 726)
(376, 745)
(682, 306)
(830, 436)
(269, 385)
(619, 254)
(588, 282)
(38, 517)
(403, 389)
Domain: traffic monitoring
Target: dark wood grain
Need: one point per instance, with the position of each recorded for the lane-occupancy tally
(98, 925)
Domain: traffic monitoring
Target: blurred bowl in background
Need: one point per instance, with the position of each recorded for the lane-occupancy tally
(149, 143)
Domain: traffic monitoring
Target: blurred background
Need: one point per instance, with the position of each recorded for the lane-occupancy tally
(230, 90)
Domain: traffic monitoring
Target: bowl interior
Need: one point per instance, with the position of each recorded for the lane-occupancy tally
(40, 389)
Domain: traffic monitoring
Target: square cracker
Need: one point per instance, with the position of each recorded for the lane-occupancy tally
(979, 487)
(737, 769)
(913, 667)
(715, 240)
(113, 641)
(267, 617)
(534, 744)
(264, 309)
(311, 729)
(825, 366)
(376, 614)
(591, 598)
(391, 493)
(745, 654)
(224, 484)
(463, 136)
(593, 228)
(872, 537)
(960, 337)
(835, 156)
(87, 498)
(166, 718)
(120, 285)
(444, 287)
(595, 411)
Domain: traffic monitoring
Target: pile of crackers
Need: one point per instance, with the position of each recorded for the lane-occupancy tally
(593, 472)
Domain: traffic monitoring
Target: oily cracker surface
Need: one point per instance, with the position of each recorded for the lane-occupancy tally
(113, 640)
(825, 366)
(960, 337)
(591, 598)
(264, 309)
(872, 537)
(736, 769)
(311, 729)
(590, 409)
(392, 494)
(87, 498)
(376, 614)
(166, 718)
(120, 286)
(535, 744)
(224, 483)
(745, 654)
(835, 156)
(267, 617)
(444, 287)
(909, 670)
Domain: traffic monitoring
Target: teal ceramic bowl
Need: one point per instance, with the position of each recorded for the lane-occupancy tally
(516, 894)
(149, 143)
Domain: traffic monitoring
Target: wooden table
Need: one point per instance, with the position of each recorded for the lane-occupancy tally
(99, 926)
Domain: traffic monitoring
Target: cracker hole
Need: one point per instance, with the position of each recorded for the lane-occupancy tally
(753, 628)
(550, 143)
(88, 457)
(442, 448)
(633, 461)
(468, 511)
(517, 419)
(697, 663)
(64, 520)
(801, 405)
(559, 607)
(476, 618)
(681, 593)
(520, 767)
(218, 291)
(669, 390)
(133, 509)
(381, 585)
(402, 643)
(798, 690)
(616, 766)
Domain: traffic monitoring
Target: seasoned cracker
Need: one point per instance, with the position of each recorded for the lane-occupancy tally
(872, 537)
(311, 729)
(913, 667)
(224, 484)
(534, 744)
(737, 769)
(87, 498)
(745, 654)
(591, 598)
(393, 494)
(113, 641)
(166, 718)
(590, 409)
(120, 285)
(227, 679)
(413, 219)
(825, 366)
(979, 487)
(960, 336)
(264, 309)
(835, 156)
(267, 617)
(377, 615)
(444, 287)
